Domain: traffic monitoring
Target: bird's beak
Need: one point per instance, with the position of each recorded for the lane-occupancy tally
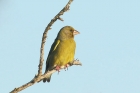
(75, 32)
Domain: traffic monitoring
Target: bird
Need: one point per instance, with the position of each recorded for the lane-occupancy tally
(62, 50)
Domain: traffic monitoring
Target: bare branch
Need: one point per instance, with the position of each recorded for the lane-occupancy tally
(41, 76)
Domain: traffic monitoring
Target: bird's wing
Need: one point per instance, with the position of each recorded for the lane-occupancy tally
(53, 47)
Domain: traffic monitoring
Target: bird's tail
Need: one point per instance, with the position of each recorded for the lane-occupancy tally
(48, 78)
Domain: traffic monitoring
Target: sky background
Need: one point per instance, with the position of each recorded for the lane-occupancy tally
(108, 45)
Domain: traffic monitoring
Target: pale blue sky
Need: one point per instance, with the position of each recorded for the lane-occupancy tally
(108, 46)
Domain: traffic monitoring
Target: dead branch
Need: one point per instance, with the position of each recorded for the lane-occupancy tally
(39, 77)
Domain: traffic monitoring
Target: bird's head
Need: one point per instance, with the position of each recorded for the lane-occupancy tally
(67, 32)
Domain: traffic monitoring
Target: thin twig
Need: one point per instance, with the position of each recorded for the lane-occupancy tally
(40, 76)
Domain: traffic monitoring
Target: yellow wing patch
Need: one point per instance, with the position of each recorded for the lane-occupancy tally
(57, 42)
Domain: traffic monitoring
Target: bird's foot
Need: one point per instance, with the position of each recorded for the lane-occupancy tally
(57, 68)
(66, 67)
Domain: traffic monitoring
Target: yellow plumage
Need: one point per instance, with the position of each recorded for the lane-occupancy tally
(62, 50)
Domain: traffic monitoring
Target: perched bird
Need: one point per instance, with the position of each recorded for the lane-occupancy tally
(62, 50)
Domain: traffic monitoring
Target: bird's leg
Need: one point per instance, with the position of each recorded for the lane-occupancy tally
(66, 66)
(57, 68)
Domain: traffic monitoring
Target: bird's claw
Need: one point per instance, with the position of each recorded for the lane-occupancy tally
(66, 67)
(57, 68)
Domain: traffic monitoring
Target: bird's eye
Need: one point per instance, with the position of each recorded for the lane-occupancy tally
(71, 30)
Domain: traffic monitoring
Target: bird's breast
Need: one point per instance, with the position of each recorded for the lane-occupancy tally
(65, 52)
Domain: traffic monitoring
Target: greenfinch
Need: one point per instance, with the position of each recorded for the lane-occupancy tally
(62, 50)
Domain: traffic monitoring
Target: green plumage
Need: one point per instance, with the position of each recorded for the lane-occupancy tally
(62, 50)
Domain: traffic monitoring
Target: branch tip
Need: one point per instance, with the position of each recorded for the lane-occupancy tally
(60, 19)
